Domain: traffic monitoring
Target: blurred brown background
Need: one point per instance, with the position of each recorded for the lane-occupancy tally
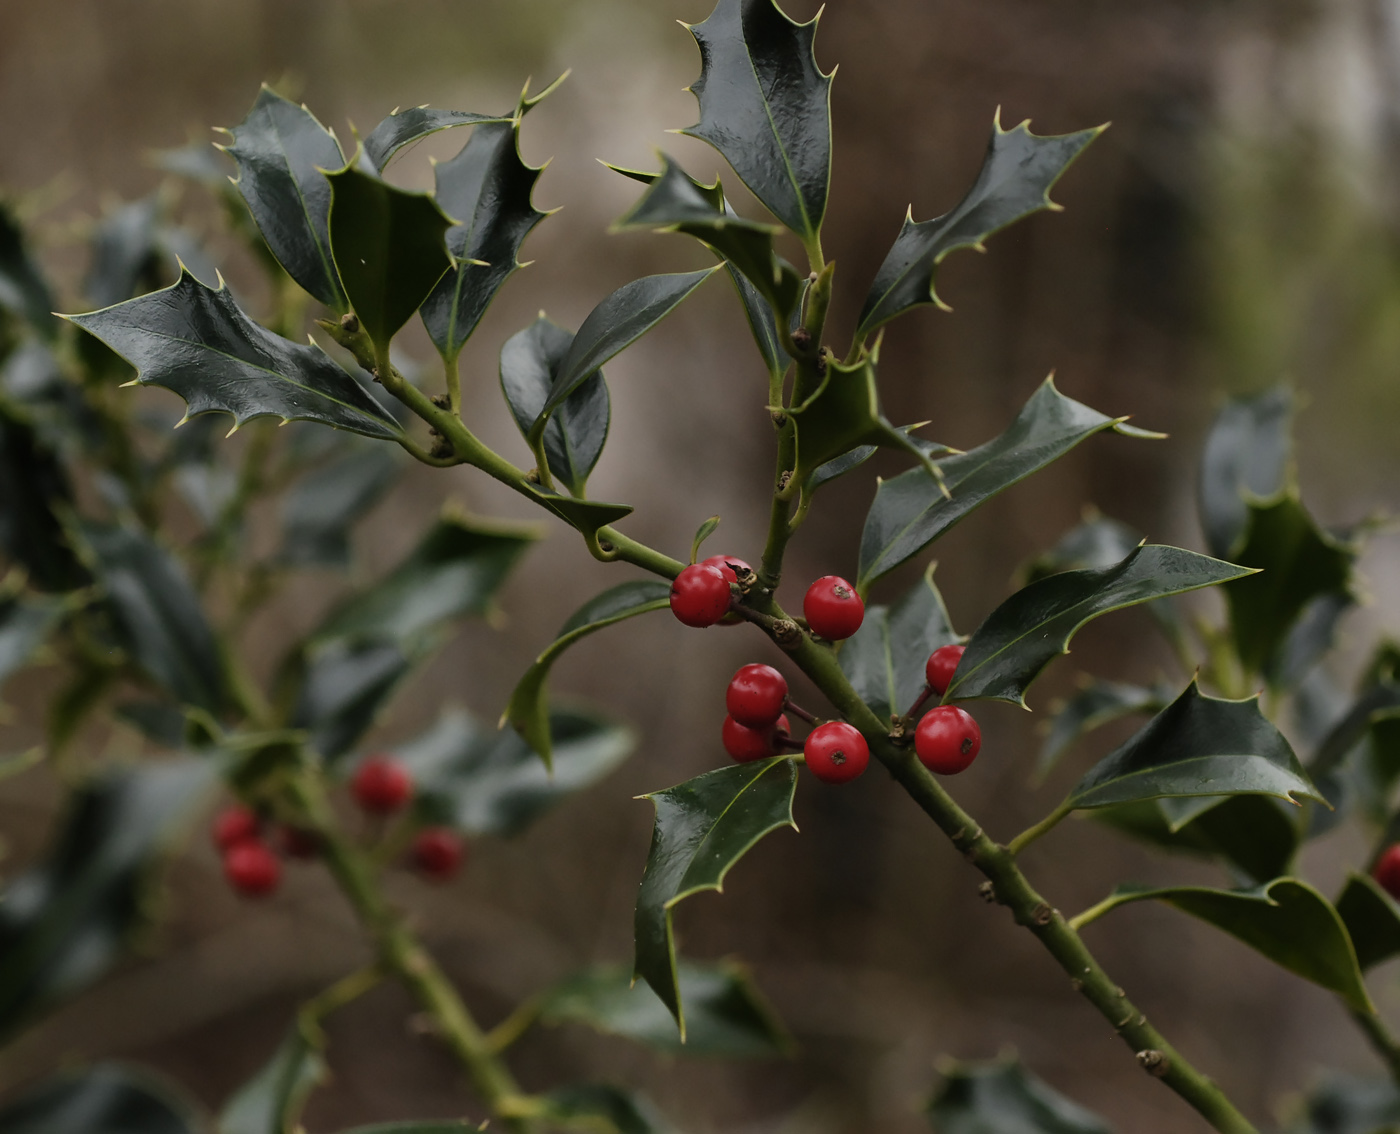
(1236, 225)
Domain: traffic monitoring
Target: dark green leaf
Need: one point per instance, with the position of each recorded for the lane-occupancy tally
(343, 687)
(272, 1100)
(910, 511)
(103, 1099)
(1094, 705)
(846, 462)
(703, 827)
(194, 340)
(486, 781)
(158, 614)
(319, 511)
(528, 710)
(1097, 542)
(615, 324)
(42, 396)
(282, 152)
(1016, 177)
(1198, 746)
(1312, 635)
(1299, 562)
(1286, 920)
(1005, 1098)
(1036, 624)
(1372, 919)
(23, 289)
(587, 516)
(1344, 1104)
(66, 920)
(725, 1015)
(702, 533)
(885, 658)
(1247, 454)
(125, 256)
(765, 105)
(575, 433)
(406, 126)
(24, 625)
(618, 1111)
(34, 491)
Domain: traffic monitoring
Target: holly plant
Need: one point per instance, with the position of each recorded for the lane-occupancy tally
(147, 620)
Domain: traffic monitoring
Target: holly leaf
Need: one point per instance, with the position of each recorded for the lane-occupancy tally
(34, 493)
(575, 434)
(124, 253)
(911, 511)
(1004, 1098)
(766, 106)
(66, 920)
(703, 827)
(1198, 746)
(1015, 181)
(1286, 920)
(528, 711)
(1309, 639)
(1097, 542)
(1247, 454)
(404, 127)
(106, 1098)
(1372, 919)
(586, 516)
(23, 289)
(25, 623)
(615, 324)
(483, 781)
(1345, 772)
(619, 1111)
(725, 1014)
(282, 153)
(1036, 624)
(884, 659)
(194, 340)
(1298, 562)
(273, 1099)
(389, 246)
(342, 688)
(320, 509)
(157, 612)
(1095, 705)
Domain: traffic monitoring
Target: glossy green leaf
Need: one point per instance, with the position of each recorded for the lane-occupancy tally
(66, 920)
(528, 710)
(703, 827)
(1198, 746)
(586, 516)
(702, 533)
(1015, 181)
(1372, 919)
(1358, 759)
(910, 511)
(1095, 705)
(615, 324)
(1004, 1098)
(282, 153)
(272, 1100)
(23, 289)
(610, 1109)
(725, 1014)
(576, 432)
(158, 615)
(320, 510)
(125, 255)
(486, 781)
(389, 246)
(194, 340)
(403, 127)
(25, 623)
(1247, 454)
(1036, 624)
(34, 492)
(884, 660)
(1299, 562)
(1286, 920)
(343, 687)
(765, 105)
(106, 1098)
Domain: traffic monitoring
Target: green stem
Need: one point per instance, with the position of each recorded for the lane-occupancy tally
(1030, 834)
(1092, 914)
(1381, 1040)
(513, 1026)
(337, 996)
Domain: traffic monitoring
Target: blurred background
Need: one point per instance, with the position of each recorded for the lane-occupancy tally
(1239, 224)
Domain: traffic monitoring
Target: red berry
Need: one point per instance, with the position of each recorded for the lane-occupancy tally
(726, 564)
(756, 696)
(836, 752)
(833, 609)
(252, 869)
(437, 852)
(947, 740)
(1387, 871)
(234, 825)
(745, 744)
(700, 595)
(296, 842)
(381, 785)
(940, 667)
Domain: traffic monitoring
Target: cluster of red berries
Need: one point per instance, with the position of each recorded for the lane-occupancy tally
(946, 740)
(380, 786)
(701, 596)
